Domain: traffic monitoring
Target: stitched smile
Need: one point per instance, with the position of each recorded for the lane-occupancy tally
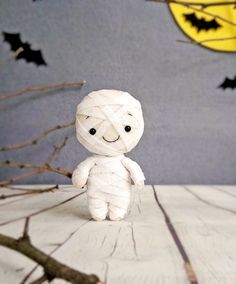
(111, 141)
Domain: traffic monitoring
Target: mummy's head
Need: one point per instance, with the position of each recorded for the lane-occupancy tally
(109, 122)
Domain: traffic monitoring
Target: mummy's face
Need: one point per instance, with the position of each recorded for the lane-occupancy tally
(109, 122)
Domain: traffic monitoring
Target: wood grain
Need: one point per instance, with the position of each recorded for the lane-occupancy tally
(140, 249)
(205, 222)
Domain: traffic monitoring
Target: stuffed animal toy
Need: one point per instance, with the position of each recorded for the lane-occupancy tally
(109, 123)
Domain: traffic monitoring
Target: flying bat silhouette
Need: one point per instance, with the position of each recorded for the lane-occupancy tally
(228, 83)
(28, 54)
(201, 24)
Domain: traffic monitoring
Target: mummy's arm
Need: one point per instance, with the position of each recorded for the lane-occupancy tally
(81, 173)
(135, 171)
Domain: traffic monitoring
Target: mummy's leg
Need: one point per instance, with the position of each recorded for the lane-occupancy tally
(118, 209)
(98, 208)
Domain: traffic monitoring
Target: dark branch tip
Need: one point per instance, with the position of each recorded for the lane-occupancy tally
(24, 238)
(49, 276)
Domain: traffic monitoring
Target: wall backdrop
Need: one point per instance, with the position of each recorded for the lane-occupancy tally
(132, 45)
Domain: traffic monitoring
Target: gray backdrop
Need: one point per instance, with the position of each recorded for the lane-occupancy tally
(190, 134)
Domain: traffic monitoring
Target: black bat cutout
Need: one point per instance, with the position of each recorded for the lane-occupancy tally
(201, 24)
(228, 83)
(28, 54)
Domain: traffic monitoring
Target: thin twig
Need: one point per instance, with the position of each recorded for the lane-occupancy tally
(211, 14)
(36, 171)
(56, 151)
(51, 266)
(39, 137)
(25, 235)
(41, 167)
(191, 6)
(19, 177)
(203, 4)
(13, 56)
(46, 167)
(206, 40)
(36, 191)
(6, 203)
(44, 89)
(42, 210)
(41, 279)
(28, 275)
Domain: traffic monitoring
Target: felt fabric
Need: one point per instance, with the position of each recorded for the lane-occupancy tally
(109, 184)
(109, 108)
(102, 120)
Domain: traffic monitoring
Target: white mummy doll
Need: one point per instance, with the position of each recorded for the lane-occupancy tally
(109, 123)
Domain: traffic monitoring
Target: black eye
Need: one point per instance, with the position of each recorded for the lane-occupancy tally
(92, 131)
(127, 128)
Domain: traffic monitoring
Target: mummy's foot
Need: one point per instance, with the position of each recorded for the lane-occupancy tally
(96, 218)
(116, 217)
(98, 208)
(117, 213)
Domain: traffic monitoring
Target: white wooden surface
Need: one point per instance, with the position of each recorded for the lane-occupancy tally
(168, 225)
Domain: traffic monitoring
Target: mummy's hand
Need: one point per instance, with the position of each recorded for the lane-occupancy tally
(140, 185)
(77, 181)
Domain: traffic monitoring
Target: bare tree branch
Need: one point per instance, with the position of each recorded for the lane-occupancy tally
(39, 137)
(41, 279)
(41, 167)
(19, 177)
(36, 171)
(193, 7)
(54, 250)
(51, 266)
(201, 4)
(206, 40)
(36, 191)
(6, 203)
(56, 151)
(43, 89)
(42, 210)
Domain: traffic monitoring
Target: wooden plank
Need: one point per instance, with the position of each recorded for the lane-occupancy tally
(204, 219)
(20, 189)
(138, 249)
(38, 203)
(45, 233)
(213, 197)
(227, 189)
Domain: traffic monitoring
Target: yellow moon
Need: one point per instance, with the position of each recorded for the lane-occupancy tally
(212, 26)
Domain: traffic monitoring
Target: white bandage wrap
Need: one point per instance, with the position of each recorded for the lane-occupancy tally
(109, 173)
(109, 184)
(107, 108)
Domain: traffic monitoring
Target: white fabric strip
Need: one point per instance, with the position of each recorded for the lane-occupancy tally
(102, 119)
(99, 107)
